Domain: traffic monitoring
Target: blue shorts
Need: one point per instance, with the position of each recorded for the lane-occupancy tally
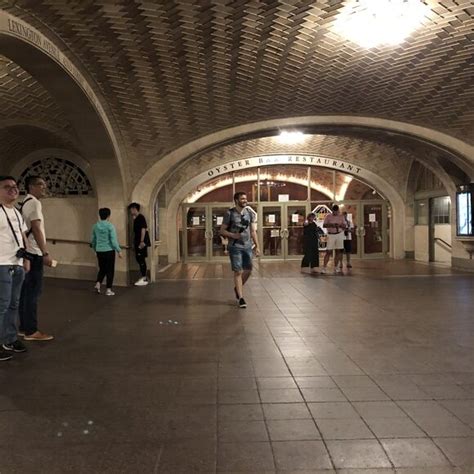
(240, 258)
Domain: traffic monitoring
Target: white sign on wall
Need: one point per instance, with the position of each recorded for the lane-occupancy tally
(372, 217)
(271, 218)
(219, 220)
(283, 197)
(196, 220)
(295, 218)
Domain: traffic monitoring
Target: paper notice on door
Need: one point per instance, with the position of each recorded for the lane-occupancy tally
(274, 233)
(283, 197)
(372, 217)
(219, 220)
(349, 217)
(271, 218)
(295, 218)
(196, 220)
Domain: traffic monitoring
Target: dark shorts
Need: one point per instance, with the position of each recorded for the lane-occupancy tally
(240, 258)
(347, 246)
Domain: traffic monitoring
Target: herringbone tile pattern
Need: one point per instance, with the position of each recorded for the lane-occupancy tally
(176, 70)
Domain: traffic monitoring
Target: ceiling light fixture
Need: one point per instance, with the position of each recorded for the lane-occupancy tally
(291, 138)
(372, 23)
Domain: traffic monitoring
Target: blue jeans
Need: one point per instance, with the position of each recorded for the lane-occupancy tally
(11, 280)
(30, 293)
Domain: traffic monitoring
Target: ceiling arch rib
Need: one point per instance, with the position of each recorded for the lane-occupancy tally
(174, 71)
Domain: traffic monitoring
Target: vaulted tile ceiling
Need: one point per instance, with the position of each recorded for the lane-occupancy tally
(176, 70)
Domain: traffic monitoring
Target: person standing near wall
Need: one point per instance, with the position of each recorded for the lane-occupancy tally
(239, 227)
(347, 241)
(38, 255)
(105, 244)
(141, 241)
(311, 233)
(13, 266)
(335, 224)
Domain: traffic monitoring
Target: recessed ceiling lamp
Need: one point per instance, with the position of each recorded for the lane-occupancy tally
(291, 138)
(372, 23)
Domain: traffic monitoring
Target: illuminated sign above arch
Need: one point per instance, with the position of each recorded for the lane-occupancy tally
(268, 160)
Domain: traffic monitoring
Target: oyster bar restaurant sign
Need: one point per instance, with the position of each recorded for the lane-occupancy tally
(283, 160)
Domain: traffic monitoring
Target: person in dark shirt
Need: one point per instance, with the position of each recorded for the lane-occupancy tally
(141, 241)
(311, 233)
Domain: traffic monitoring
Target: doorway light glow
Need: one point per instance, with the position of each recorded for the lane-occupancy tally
(291, 138)
(371, 23)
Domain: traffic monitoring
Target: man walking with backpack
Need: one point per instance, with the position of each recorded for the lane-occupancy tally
(38, 255)
(239, 227)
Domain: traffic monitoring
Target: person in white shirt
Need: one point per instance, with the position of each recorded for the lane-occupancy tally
(13, 266)
(38, 254)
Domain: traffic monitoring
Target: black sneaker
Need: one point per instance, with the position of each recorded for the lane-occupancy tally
(242, 303)
(16, 346)
(236, 294)
(4, 355)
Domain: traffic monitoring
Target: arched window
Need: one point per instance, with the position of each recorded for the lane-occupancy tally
(64, 178)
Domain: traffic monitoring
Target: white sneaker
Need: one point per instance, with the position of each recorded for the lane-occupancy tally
(109, 292)
(323, 271)
(97, 288)
(337, 270)
(141, 282)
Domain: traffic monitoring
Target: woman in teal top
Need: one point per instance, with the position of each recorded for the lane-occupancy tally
(105, 244)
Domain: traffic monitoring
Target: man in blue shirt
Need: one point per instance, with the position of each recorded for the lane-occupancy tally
(239, 227)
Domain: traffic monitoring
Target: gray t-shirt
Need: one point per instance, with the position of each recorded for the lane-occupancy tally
(241, 224)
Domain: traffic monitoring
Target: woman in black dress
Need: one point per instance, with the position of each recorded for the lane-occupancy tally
(311, 233)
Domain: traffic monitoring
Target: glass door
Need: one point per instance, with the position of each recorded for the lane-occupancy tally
(280, 230)
(203, 240)
(195, 240)
(218, 243)
(270, 231)
(353, 218)
(295, 216)
(373, 231)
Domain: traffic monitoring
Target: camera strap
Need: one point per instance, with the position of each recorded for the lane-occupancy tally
(11, 225)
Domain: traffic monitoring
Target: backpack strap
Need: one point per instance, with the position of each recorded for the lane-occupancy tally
(20, 208)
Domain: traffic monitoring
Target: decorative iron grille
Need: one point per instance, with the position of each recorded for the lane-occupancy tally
(64, 178)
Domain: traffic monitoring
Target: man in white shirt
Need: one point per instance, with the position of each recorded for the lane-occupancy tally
(38, 255)
(12, 267)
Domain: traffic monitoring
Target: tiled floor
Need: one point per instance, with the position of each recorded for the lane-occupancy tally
(363, 374)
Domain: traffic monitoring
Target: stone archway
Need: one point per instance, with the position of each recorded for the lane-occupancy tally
(200, 176)
(76, 96)
(97, 140)
(146, 189)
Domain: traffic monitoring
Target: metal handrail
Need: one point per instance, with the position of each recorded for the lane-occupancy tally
(55, 241)
(443, 241)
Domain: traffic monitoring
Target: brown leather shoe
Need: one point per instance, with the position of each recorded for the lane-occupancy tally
(38, 336)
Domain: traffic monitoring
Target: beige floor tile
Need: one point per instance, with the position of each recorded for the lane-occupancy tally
(283, 395)
(323, 395)
(364, 393)
(292, 430)
(348, 428)
(246, 457)
(358, 454)
(300, 455)
(414, 453)
(394, 428)
(332, 410)
(285, 411)
(382, 409)
(460, 451)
